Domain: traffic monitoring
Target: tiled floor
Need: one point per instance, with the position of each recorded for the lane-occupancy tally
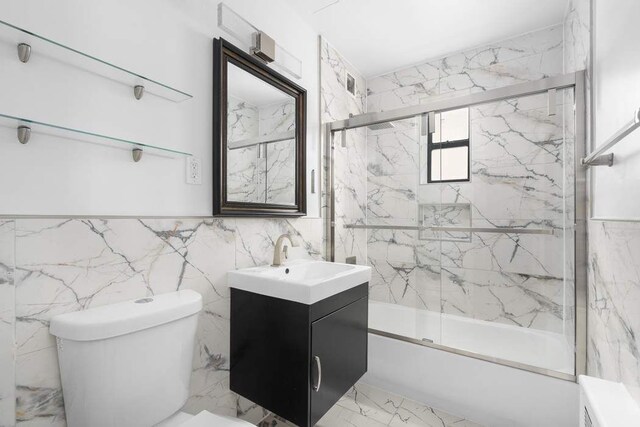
(366, 406)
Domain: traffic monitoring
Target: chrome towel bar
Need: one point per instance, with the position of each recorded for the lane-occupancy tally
(597, 158)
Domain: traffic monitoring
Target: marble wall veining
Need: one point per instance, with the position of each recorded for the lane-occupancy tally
(281, 155)
(614, 301)
(245, 176)
(524, 58)
(267, 175)
(349, 155)
(7, 323)
(518, 179)
(62, 265)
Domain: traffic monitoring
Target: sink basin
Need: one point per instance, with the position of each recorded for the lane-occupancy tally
(301, 281)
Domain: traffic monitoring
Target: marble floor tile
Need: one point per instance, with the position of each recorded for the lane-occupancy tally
(366, 406)
(342, 417)
(252, 412)
(413, 414)
(372, 403)
(218, 399)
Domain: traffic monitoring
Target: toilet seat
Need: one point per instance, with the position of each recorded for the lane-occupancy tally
(207, 419)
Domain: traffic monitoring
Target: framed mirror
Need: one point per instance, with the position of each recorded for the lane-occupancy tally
(259, 132)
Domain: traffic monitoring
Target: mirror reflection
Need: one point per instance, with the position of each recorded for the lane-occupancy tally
(261, 144)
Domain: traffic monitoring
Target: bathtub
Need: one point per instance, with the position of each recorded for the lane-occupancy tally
(469, 383)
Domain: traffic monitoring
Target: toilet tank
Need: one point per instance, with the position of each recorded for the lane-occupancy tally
(127, 364)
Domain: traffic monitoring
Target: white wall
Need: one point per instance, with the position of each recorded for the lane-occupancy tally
(166, 40)
(616, 96)
(614, 289)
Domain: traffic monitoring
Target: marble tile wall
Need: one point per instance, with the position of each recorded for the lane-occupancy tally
(281, 155)
(246, 177)
(518, 180)
(7, 323)
(269, 177)
(528, 57)
(577, 36)
(349, 160)
(62, 265)
(614, 303)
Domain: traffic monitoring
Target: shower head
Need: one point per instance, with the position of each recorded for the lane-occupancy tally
(381, 126)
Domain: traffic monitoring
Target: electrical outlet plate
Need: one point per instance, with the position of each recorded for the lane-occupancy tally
(194, 171)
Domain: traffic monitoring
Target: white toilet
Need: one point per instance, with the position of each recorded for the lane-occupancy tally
(129, 364)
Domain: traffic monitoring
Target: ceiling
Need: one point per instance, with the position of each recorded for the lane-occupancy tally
(378, 36)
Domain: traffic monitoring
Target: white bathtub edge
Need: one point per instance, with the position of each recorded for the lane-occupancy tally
(480, 391)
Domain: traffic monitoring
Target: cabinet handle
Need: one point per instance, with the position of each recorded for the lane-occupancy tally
(316, 385)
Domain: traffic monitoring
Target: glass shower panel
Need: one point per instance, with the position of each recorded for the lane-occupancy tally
(350, 195)
(478, 258)
(405, 260)
(507, 290)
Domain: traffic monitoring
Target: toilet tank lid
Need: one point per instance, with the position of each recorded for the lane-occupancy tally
(122, 318)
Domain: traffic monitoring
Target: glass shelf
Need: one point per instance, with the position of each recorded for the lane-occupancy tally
(41, 128)
(43, 46)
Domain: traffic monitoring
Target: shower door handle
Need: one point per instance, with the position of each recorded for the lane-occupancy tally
(318, 380)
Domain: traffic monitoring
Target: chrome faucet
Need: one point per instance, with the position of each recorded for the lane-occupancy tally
(279, 250)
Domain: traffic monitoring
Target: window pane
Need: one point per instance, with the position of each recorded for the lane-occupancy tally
(450, 164)
(435, 165)
(452, 126)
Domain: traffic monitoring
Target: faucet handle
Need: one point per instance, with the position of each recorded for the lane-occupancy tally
(285, 250)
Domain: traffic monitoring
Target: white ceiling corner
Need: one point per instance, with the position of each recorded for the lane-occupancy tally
(379, 36)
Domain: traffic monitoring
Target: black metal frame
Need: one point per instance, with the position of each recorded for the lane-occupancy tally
(223, 54)
(443, 146)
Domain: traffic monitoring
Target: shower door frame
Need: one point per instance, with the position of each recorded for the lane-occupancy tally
(575, 81)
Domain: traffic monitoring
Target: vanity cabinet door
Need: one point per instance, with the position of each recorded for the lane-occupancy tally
(338, 355)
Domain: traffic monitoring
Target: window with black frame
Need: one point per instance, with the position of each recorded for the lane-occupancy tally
(448, 153)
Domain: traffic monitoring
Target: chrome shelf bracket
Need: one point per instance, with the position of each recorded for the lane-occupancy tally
(136, 153)
(138, 91)
(24, 134)
(24, 52)
(597, 158)
(603, 160)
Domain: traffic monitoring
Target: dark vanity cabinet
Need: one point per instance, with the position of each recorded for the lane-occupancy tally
(297, 360)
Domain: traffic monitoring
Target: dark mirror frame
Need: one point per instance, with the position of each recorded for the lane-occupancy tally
(223, 54)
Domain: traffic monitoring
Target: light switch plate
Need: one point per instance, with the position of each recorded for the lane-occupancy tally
(194, 171)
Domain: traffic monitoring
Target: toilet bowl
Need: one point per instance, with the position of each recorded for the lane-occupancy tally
(129, 364)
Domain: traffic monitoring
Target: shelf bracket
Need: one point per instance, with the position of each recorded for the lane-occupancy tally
(138, 91)
(24, 52)
(24, 134)
(136, 153)
(604, 160)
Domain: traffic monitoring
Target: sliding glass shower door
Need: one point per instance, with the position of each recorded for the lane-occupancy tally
(466, 216)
